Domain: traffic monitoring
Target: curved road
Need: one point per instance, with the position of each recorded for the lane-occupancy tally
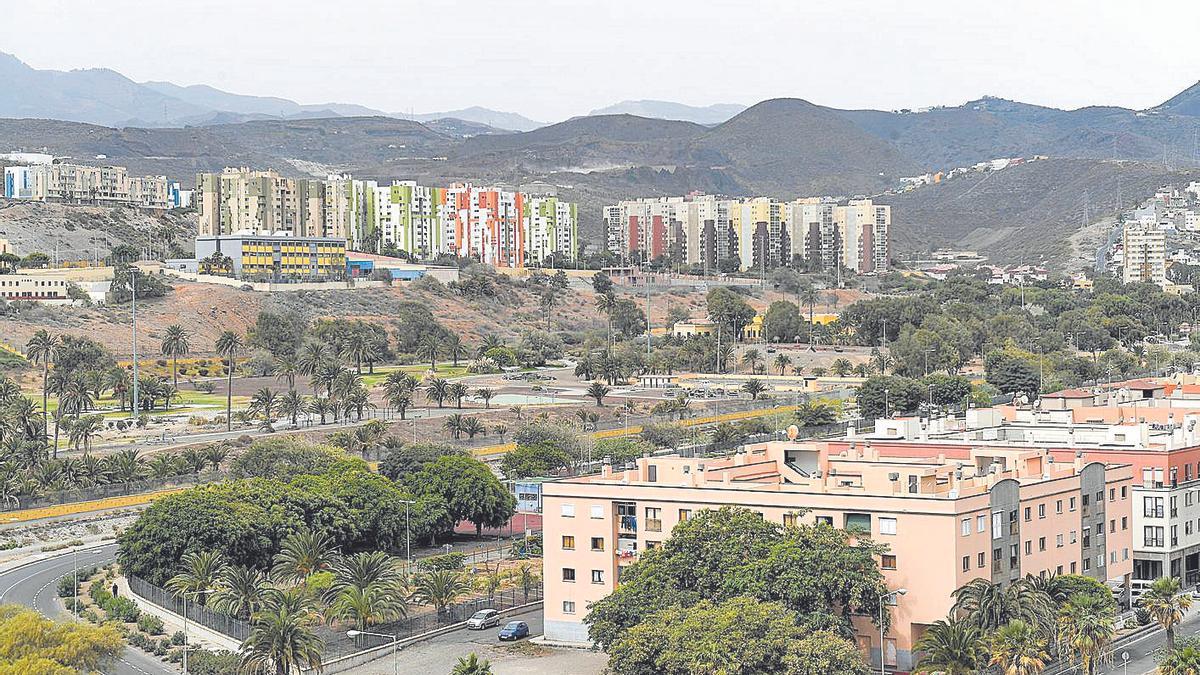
(35, 585)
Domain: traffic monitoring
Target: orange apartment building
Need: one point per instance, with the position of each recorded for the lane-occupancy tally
(997, 514)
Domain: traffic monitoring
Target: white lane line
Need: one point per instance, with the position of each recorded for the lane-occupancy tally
(28, 577)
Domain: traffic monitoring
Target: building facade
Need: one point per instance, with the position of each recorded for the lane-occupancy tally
(998, 515)
(1145, 252)
(703, 231)
(34, 288)
(551, 230)
(81, 184)
(275, 258)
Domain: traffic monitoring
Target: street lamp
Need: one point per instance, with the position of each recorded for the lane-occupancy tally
(887, 410)
(395, 646)
(882, 652)
(75, 573)
(407, 534)
(186, 646)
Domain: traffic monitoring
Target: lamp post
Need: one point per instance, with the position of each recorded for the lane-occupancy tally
(407, 534)
(186, 646)
(882, 603)
(887, 410)
(75, 574)
(395, 646)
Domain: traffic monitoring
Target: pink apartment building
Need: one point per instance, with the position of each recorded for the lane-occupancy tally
(998, 515)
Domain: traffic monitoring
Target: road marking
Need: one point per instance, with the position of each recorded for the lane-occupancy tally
(27, 578)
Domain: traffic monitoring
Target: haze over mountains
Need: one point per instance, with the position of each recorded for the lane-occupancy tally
(783, 147)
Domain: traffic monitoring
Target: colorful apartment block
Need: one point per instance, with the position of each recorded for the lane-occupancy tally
(80, 184)
(277, 258)
(996, 514)
(703, 230)
(551, 229)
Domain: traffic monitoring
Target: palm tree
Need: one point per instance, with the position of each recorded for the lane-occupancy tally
(527, 578)
(304, 552)
(440, 588)
(1183, 660)
(264, 402)
(808, 296)
(1166, 605)
(240, 592)
(40, 350)
(454, 424)
(598, 390)
(500, 428)
(485, 394)
(287, 367)
(1018, 649)
(429, 349)
(437, 390)
(1085, 627)
(365, 568)
(368, 605)
(312, 358)
(471, 426)
(471, 665)
(841, 367)
(754, 387)
(125, 466)
(457, 391)
(607, 303)
(950, 646)
(401, 401)
(215, 454)
(990, 606)
(199, 573)
(357, 348)
(455, 348)
(291, 405)
(281, 639)
(751, 359)
(174, 345)
(782, 362)
(228, 345)
(164, 466)
(320, 405)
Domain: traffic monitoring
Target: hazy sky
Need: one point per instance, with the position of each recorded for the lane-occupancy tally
(551, 59)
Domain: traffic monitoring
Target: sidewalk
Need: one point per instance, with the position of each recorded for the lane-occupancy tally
(198, 634)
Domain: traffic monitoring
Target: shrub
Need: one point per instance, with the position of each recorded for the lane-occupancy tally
(1142, 615)
(177, 638)
(204, 662)
(150, 624)
(66, 586)
(445, 561)
(121, 609)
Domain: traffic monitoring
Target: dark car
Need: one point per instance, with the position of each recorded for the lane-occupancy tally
(514, 630)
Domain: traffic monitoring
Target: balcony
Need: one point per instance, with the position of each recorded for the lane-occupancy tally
(627, 524)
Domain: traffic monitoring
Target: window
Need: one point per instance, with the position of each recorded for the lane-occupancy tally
(597, 511)
(1041, 510)
(1087, 537)
(1124, 491)
(1058, 541)
(597, 543)
(1041, 543)
(997, 524)
(1112, 494)
(652, 473)
(966, 527)
(1152, 507)
(1028, 546)
(1112, 526)
(684, 514)
(653, 519)
(651, 545)
(858, 522)
(887, 525)
(568, 574)
(568, 510)
(825, 520)
(966, 563)
(913, 484)
(1085, 500)
(1087, 564)
(789, 520)
(981, 523)
(982, 560)
(1153, 536)
(1072, 503)
(597, 576)
(568, 542)
(1074, 537)
(1058, 506)
(887, 561)
(1124, 522)
(568, 606)
(1028, 513)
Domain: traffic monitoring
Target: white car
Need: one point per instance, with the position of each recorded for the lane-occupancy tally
(484, 618)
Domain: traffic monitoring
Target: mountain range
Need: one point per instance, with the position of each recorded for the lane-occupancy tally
(667, 110)
(782, 147)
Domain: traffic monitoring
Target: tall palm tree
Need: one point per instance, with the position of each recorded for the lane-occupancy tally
(1166, 605)
(264, 402)
(455, 348)
(598, 390)
(607, 303)
(287, 367)
(321, 406)
(240, 592)
(754, 387)
(472, 427)
(429, 349)
(437, 390)
(751, 358)
(782, 362)
(486, 395)
(281, 639)
(1017, 648)
(471, 665)
(808, 296)
(365, 568)
(368, 605)
(990, 606)
(1086, 627)
(40, 350)
(454, 424)
(304, 552)
(357, 348)
(199, 573)
(457, 391)
(950, 646)
(174, 345)
(228, 345)
(440, 588)
(312, 358)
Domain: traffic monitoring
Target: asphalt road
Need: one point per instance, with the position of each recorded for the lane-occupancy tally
(34, 585)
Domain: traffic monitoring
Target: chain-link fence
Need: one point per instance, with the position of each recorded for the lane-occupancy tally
(222, 623)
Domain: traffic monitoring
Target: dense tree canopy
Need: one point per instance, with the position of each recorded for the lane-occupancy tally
(469, 489)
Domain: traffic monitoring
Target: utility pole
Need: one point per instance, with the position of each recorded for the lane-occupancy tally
(646, 276)
(134, 406)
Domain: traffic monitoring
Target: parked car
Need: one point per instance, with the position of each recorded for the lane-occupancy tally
(514, 630)
(484, 618)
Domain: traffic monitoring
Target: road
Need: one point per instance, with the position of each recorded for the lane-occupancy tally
(34, 585)
(1144, 651)
(441, 653)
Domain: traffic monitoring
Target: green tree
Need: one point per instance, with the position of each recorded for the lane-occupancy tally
(754, 387)
(40, 349)
(470, 664)
(1166, 605)
(175, 344)
(469, 489)
(1017, 648)
(534, 460)
(440, 588)
(989, 605)
(728, 308)
(281, 639)
(598, 390)
(228, 345)
(199, 573)
(457, 391)
(740, 636)
(438, 390)
(893, 394)
(950, 646)
(782, 322)
(1086, 627)
(1183, 660)
(305, 552)
(31, 644)
(239, 591)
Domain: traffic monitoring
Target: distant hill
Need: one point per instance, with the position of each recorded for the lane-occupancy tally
(492, 118)
(668, 110)
(1186, 102)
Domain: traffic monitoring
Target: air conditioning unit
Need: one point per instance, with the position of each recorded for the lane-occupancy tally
(894, 476)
